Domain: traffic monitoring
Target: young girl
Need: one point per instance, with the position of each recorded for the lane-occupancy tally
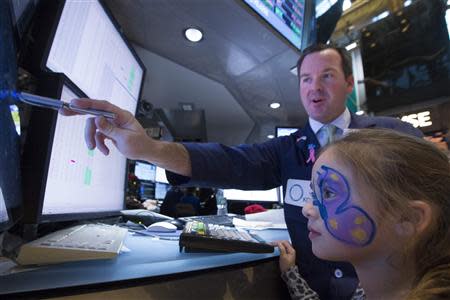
(381, 201)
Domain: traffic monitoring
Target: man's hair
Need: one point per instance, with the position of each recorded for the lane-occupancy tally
(397, 169)
(345, 57)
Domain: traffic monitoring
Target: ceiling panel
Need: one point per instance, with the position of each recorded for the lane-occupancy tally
(238, 52)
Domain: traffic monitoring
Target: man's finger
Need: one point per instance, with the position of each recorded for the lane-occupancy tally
(89, 133)
(282, 248)
(100, 142)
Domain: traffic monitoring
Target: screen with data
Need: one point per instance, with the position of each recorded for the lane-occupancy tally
(254, 196)
(3, 212)
(161, 175)
(283, 131)
(10, 151)
(285, 16)
(80, 180)
(90, 51)
(145, 171)
(161, 190)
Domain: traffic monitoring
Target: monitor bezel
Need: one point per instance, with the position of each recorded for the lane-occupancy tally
(40, 140)
(48, 45)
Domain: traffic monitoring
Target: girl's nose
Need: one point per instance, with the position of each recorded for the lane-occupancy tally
(309, 210)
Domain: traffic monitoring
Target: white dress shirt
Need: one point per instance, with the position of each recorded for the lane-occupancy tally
(342, 122)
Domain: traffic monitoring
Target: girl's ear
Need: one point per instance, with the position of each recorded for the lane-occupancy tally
(419, 220)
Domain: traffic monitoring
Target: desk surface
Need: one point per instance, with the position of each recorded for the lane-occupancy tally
(148, 257)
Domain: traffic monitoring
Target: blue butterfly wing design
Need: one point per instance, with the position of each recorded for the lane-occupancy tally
(346, 222)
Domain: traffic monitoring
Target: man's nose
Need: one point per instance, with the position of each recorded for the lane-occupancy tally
(316, 84)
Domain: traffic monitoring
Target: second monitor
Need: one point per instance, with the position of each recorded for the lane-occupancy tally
(65, 180)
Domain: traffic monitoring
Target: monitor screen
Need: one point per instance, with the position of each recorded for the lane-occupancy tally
(10, 172)
(145, 171)
(161, 175)
(256, 196)
(89, 49)
(286, 16)
(3, 212)
(80, 180)
(161, 190)
(282, 131)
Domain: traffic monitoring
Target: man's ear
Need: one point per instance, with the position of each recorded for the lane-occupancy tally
(350, 83)
(419, 220)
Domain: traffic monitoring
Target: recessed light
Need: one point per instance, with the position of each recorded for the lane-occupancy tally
(351, 46)
(274, 105)
(270, 136)
(193, 34)
(359, 112)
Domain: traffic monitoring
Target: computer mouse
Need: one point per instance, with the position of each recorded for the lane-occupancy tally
(162, 227)
(178, 223)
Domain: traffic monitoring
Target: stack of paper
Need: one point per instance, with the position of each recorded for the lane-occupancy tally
(270, 219)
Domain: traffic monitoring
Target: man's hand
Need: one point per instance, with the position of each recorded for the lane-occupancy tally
(287, 255)
(124, 130)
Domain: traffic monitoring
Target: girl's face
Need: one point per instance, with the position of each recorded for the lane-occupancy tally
(341, 218)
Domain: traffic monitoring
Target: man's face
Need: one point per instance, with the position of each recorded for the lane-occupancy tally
(323, 86)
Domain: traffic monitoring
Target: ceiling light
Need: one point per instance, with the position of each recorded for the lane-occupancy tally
(407, 3)
(359, 112)
(193, 34)
(351, 46)
(270, 136)
(383, 15)
(346, 5)
(274, 105)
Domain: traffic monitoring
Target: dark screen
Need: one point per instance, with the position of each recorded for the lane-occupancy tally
(10, 180)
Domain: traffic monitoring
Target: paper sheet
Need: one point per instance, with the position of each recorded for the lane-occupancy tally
(270, 219)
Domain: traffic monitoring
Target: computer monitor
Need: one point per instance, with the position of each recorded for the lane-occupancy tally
(10, 174)
(89, 49)
(253, 196)
(65, 180)
(161, 190)
(161, 175)
(283, 131)
(290, 18)
(145, 171)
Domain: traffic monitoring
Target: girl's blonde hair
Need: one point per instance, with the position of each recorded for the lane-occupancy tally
(401, 168)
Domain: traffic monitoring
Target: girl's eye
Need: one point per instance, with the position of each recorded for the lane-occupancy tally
(327, 194)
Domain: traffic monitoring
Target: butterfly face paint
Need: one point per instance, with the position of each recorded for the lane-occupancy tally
(346, 222)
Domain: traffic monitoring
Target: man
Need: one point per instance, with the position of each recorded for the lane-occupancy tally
(325, 79)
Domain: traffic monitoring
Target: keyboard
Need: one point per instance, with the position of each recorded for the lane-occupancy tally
(199, 236)
(225, 220)
(80, 242)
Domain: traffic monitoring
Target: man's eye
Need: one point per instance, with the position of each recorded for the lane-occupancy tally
(327, 75)
(306, 79)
